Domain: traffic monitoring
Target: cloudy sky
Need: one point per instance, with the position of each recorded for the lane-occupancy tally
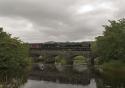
(58, 20)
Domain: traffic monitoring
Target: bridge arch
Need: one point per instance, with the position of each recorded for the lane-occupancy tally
(49, 51)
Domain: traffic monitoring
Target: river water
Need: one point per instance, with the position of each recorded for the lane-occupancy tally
(52, 77)
(47, 84)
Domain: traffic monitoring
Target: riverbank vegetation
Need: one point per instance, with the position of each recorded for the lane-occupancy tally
(14, 61)
(109, 49)
(60, 60)
(79, 60)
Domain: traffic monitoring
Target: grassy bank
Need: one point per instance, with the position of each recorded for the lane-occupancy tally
(113, 70)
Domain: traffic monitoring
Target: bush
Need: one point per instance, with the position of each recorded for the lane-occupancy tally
(60, 60)
(111, 45)
(14, 59)
(80, 60)
(114, 71)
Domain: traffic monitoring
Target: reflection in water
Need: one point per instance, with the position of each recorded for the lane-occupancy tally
(52, 77)
(68, 75)
(46, 84)
(69, 78)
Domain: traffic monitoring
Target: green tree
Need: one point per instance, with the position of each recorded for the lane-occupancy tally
(79, 60)
(14, 59)
(60, 60)
(111, 45)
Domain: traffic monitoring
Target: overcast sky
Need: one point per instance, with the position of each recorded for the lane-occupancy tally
(58, 20)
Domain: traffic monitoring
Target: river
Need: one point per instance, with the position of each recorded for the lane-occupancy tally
(47, 84)
(68, 78)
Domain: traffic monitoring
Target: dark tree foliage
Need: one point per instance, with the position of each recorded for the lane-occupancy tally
(111, 45)
(14, 59)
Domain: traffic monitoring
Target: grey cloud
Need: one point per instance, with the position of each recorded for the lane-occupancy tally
(58, 20)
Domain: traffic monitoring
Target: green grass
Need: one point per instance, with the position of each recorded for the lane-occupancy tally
(113, 70)
(114, 65)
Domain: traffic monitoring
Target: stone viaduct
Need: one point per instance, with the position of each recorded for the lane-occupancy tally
(69, 50)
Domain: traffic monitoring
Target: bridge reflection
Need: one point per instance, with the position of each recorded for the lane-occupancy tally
(68, 75)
